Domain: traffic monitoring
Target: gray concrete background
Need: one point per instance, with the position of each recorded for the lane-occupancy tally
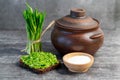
(13, 38)
(107, 12)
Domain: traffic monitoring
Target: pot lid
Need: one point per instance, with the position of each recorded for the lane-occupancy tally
(77, 20)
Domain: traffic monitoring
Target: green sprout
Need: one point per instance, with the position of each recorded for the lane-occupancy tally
(40, 60)
(34, 25)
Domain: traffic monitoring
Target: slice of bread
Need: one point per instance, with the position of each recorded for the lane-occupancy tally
(38, 71)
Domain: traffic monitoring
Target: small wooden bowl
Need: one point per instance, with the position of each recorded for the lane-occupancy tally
(77, 67)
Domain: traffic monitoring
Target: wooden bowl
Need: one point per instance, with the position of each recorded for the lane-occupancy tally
(77, 66)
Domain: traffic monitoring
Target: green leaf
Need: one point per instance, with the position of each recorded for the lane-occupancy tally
(30, 8)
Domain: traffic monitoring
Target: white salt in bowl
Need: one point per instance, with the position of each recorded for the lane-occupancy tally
(78, 61)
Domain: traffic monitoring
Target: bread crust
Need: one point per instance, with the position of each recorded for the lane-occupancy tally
(38, 71)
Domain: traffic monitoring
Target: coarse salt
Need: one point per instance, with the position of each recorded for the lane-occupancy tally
(79, 59)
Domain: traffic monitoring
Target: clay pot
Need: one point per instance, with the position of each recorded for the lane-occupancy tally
(77, 33)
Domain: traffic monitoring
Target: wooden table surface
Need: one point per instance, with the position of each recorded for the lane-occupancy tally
(106, 66)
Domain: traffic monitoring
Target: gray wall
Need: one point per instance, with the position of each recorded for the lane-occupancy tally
(106, 11)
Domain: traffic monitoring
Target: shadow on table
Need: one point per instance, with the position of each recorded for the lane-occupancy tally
(64, 71)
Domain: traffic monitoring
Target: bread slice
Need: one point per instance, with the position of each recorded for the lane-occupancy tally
(38, 71)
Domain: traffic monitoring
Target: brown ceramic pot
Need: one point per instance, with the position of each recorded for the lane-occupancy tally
(77, 33)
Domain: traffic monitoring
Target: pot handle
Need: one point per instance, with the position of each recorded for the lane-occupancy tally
(95, 36)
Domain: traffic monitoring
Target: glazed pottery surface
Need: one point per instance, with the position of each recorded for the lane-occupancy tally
(77, 33)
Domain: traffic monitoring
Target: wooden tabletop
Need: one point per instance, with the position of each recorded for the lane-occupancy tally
(106, 66)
